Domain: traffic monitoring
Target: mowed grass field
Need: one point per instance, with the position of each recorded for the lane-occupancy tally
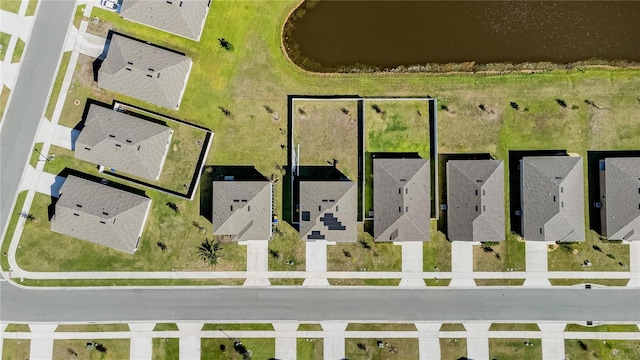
(257, 73)
(327, 132)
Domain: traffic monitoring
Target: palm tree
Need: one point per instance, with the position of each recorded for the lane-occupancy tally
(209, 251)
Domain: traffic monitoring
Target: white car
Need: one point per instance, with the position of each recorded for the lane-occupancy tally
(111, 5)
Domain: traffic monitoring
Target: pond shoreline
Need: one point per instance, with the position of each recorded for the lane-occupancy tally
(292, 52)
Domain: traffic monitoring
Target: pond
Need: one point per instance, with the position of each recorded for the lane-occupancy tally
(388, 34)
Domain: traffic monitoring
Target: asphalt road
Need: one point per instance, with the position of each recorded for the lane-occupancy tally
(308, 304)
(29, 98)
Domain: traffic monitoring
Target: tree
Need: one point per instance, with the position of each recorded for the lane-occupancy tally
(101, 348)
(173, 207)
(225, 44)
(209, 251)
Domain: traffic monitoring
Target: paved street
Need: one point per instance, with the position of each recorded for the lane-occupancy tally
(323, 304)
(29, 97)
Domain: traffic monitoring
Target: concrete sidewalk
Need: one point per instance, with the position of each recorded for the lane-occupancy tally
(462, 263)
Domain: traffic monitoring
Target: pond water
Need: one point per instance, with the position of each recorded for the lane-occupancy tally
(388, 34)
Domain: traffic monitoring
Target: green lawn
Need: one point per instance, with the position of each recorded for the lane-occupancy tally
(286, 282)
(285, 247)
(4, 98)
(327, 131)
(4, 43)
(602, 328)
(379, 256)
(356, 349)
(133, 282)
(116, 349)
(166, 327)
(35, 155)
(17, 328)
(16, 349)
(605, 282)
(57, 85)
(11, 229)
(309, 327)
(515, 349)
(436, 253)
(452, 327)
(10, 5)
(453, 349)
(380, 327)
(310, 349)
(364, 282)
(499, 282)
(239, 326)
(602, 349)
(92, 328)
(17, 51)
(501, 256)
(513, 327)
(612, 256)
(166, 349)
(31, 8)
(260, 349)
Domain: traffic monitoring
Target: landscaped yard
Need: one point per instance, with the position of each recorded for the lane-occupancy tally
(310, 349)
(453, 348)
(500, 256)
(16, 349)
(92, 328)
(513, 327)
(286, 247)
(224, 349)
(11, 229)
(364, 255)
(17, 328)
(605, 282)
(602, 349)
(114, 349)
(10, 5)
(239, 326)
(257, 73)
(166, 327)
(356, 349)
(381, 327)
(166, 349)
(327, 132)
(603, 328)
(436, 253)
(602, 255)
(515, 349)
(43, 250)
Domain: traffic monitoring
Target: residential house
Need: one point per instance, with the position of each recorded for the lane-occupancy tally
(123, 142)
(328, 210)
(401, 199)
(620, 196)
(552, 198)
(475, 200)
(242, 209)
(100, 214)
(185, 18)
(144, 71)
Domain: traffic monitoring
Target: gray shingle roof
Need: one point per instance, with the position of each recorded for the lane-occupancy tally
(328, 210)
(145, 72)
(242, 209)
(126, 143)
(475, 200)
(552, 198)
(401, 199)
(100, 214)
(181, 17)
(621, 200)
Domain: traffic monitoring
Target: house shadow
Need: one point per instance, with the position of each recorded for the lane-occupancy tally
(593, 178)
(97, 63)
(515, 221)
(212, 173)
(442, 183)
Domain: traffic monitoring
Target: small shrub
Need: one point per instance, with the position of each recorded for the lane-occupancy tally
(582, 345)
(514, 105)
(346, 253)
(365, 245)
(561, 102)
(611, 256)
(162, 246)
